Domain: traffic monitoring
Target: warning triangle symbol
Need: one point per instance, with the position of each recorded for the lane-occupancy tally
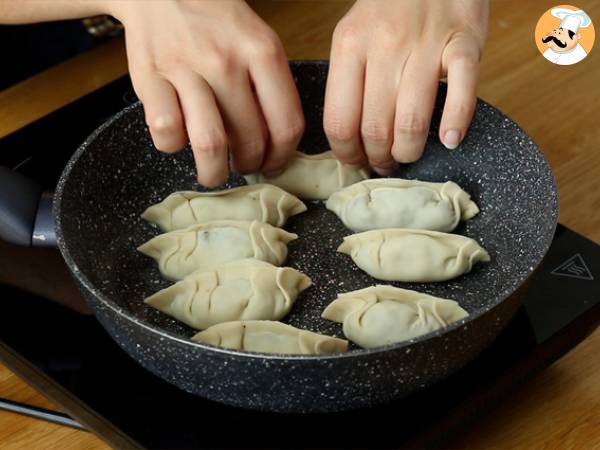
(574, 267)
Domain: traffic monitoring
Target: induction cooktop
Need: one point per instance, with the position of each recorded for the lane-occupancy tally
(73, 361)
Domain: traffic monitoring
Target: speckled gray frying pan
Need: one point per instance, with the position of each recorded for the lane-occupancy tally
(117, 173)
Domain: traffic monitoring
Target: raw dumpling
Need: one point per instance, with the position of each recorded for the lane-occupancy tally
(313, 177)
(396, 203)
(269, 337)
(241, 290)
(381, 315)
(208, 245)
(397, 254)
(262, 202)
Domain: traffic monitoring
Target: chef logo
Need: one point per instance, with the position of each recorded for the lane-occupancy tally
(564, 35)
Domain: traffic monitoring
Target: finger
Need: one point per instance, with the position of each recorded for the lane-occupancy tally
(162, 111)
(414, 106)
(377, 125)
(461, 60)
(280, 104)
(242, 118)
(343, 105)
(204, 128)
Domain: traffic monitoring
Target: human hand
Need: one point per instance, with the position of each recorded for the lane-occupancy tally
(386, 62)
(214, 72)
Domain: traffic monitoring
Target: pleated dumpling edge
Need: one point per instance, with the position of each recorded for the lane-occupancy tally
(410, 255)
(208, 245)
(262, 202)
(398, 203)
(382, 315)
(270, 337)
(313, 177)
(240, 290)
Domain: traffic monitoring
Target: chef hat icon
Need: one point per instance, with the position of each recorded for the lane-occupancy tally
(570, 19)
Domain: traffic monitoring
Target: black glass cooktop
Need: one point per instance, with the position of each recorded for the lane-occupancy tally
(117, 398)
(72, 360)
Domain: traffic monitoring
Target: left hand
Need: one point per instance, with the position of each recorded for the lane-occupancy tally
(386, 61)
(215, 73)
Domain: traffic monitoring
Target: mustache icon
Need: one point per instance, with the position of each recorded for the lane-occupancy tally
(555, 40)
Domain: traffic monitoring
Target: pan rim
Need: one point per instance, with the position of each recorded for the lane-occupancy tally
(542, 250)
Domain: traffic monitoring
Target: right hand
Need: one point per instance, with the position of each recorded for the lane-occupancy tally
(386, 62)
(213, 72)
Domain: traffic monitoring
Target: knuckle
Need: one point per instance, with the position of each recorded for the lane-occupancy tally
(163, 123)
(347, 36)
(140, 69)
(210, 142)
(172, 64)
(338, 131)
(463, 52)
(375, 131)
(388, 39)
(411, 124)
(288, 135)
(163, 66)
(219, 62)
(266, 46)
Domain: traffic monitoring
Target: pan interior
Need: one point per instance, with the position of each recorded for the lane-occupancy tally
(117, 173)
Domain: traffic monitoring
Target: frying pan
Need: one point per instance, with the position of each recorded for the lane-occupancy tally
(117, 173)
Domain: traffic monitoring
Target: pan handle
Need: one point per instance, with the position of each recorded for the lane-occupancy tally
(25, 211)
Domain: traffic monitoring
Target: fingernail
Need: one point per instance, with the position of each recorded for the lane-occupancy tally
(451, 139)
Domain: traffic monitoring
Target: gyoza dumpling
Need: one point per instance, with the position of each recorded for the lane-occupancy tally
(269, 337)
(381, 315)
(397, 254)
(209, 245)
(262, 202)
(396, 203)
(240, 290)
(313, 177)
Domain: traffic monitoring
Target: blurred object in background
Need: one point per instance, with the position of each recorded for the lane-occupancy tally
(29, 49)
